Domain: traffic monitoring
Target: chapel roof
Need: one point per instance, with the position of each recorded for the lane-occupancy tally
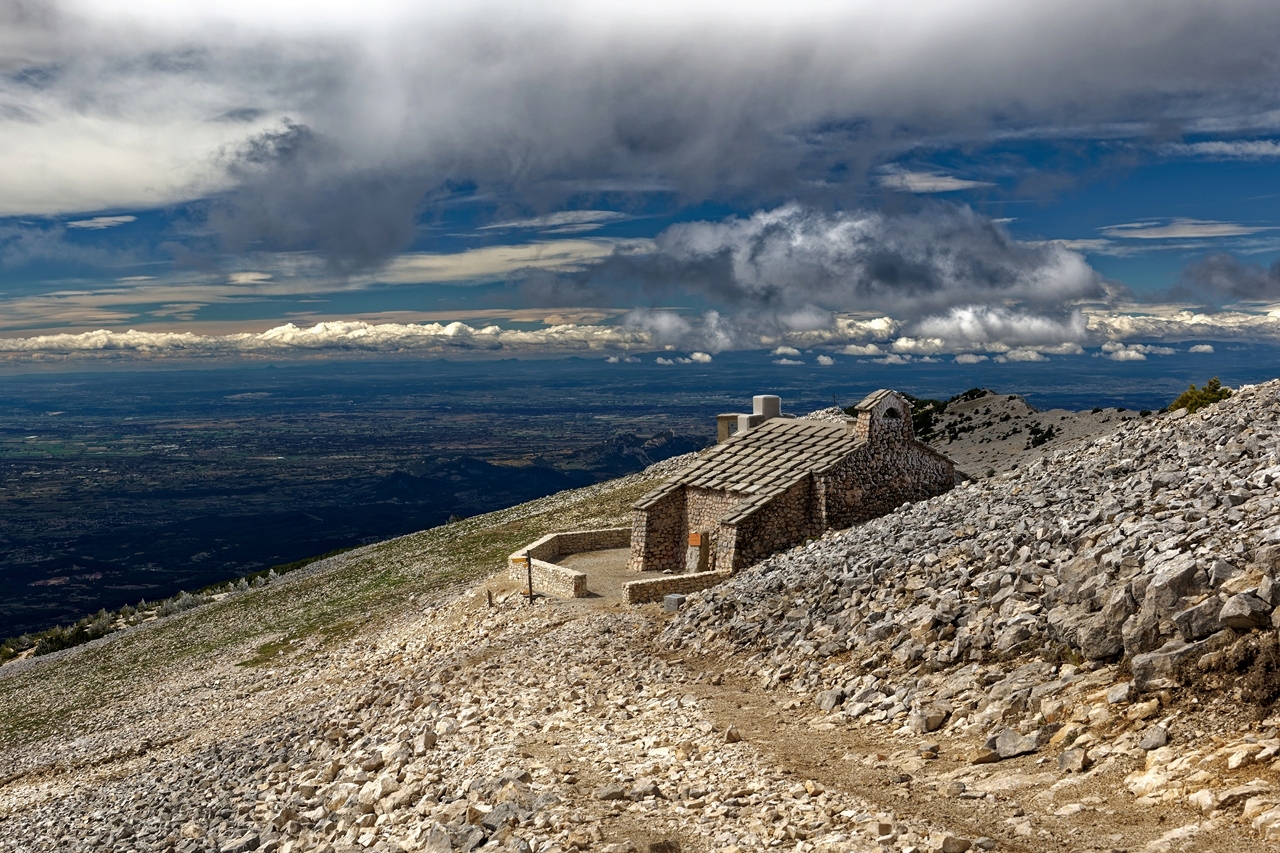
(770, 457)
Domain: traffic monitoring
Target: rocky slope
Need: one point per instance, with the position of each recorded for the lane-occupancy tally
(1110, 603)
(987, 433)
(998, 432)
(1077, 655)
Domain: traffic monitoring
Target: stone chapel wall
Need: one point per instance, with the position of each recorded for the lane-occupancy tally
(658, 532)
(704, 508)
(879, 477)
(782, 522)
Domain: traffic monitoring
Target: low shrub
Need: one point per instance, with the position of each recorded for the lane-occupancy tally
(1194, 398)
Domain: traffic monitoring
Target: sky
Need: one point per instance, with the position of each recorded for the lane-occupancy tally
(964, 181)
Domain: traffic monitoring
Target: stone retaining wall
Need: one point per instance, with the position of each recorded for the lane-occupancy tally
(555, 545)
(554, 579)
(639, 592)
(550, 579)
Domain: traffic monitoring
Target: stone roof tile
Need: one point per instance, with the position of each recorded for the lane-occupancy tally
(767, 459)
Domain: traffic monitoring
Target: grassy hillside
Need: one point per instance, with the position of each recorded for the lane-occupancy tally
(332, 599)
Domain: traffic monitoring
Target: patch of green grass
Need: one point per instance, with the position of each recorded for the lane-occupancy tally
(267, 653)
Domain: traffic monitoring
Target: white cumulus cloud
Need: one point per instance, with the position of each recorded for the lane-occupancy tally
(793, 259)
(971, 326)
(1020, 355)
(1117, 351)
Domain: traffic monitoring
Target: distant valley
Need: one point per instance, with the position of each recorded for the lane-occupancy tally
(120, 486)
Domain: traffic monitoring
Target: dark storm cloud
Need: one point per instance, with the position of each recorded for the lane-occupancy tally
(746, 104)
(291, 195)
(1221, 277)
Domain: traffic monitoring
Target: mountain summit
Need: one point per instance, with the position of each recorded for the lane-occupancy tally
(1076, 654)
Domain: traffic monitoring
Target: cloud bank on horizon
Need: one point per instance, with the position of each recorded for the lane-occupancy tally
(736, 175)
(969, 335)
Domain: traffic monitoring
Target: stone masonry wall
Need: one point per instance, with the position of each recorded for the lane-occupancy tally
(780, 523)
(872, 424)
(880, 476)
(658, 533)
(548, 576)
(639, 592)
(726, 547)
(703, 509)
(557, 544)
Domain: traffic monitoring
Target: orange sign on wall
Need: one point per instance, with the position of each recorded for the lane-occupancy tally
(695, 540)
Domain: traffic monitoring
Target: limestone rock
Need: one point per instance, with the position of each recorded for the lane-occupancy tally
(829, 700)
(1141, 631)
(984, 755)
(1154, 738)
(611, 792)
(1156, 670)
(249, 841)
(928, 720)
(1101, 636)
(1175, 578)
(1245, 612)
(1238, 794)
(1074, 761)
(437, 840)
(1121, 692)
(1010, 744)
(644, 788)
(1198, 622)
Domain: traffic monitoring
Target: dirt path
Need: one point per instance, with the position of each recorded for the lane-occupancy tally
(1023, 804)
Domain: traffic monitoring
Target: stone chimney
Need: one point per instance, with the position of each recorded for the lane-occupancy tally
(763, 408)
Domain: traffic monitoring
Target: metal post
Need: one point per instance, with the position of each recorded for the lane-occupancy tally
(528, 563)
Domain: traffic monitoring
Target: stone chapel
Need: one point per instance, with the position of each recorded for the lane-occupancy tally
(777, 481)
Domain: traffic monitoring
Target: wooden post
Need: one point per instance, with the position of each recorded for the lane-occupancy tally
(528, 564)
